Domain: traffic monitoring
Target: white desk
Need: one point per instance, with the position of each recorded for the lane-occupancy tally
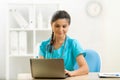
(90, 76)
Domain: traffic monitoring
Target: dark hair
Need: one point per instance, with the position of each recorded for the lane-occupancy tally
(60, 14)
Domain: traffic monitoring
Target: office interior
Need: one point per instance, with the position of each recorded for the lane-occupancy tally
(99, 32)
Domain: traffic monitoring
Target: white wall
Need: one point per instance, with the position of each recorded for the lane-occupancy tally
(100, 33)
(2, 38)
(112, 20)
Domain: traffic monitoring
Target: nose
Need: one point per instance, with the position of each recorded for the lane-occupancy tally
(61, 28)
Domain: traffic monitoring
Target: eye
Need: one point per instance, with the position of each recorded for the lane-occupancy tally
(57, 26)
(64, 26)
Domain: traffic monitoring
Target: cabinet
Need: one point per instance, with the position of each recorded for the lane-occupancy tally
(28, 25)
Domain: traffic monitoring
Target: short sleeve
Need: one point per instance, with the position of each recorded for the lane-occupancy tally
(42, 50)
(77, 49)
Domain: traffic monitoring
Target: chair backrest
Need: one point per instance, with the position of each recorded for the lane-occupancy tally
(93, 61)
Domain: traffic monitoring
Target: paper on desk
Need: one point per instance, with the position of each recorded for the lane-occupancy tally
(109, 75)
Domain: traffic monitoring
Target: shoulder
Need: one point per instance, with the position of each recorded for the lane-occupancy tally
(72, 40)
(45, 42)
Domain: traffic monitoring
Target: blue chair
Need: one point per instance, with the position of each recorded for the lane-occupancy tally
(93, 61)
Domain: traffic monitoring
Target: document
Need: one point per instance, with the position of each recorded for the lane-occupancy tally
(14, 42)
(40, 20)
(32, 17)
(109, 75)
(20, 19)
(22, 43)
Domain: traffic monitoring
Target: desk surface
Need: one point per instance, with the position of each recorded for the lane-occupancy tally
(90, 76)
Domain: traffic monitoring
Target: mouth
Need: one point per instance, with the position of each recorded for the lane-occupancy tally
(60, 33)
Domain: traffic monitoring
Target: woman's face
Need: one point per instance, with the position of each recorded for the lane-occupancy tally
(60, 27)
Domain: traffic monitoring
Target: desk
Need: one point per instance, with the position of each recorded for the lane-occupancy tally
(90, 76)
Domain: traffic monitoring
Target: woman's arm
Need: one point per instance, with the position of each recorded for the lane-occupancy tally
(83, 67)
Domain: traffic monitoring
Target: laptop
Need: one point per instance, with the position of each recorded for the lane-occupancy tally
(47, 68)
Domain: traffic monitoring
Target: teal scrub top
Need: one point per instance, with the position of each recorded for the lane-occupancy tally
(69, 51)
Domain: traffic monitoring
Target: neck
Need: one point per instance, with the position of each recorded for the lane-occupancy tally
(60, 39)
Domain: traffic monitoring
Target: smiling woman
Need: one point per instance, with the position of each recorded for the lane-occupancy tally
(62, 46)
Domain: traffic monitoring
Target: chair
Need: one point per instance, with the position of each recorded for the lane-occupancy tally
(93, 61)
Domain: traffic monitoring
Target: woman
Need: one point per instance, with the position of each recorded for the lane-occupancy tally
(62, 46)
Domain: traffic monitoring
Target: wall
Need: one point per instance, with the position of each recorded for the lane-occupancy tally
(100, 33)
(112, 23)
(3, 18)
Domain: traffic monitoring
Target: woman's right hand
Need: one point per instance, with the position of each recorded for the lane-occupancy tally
(69, 73)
